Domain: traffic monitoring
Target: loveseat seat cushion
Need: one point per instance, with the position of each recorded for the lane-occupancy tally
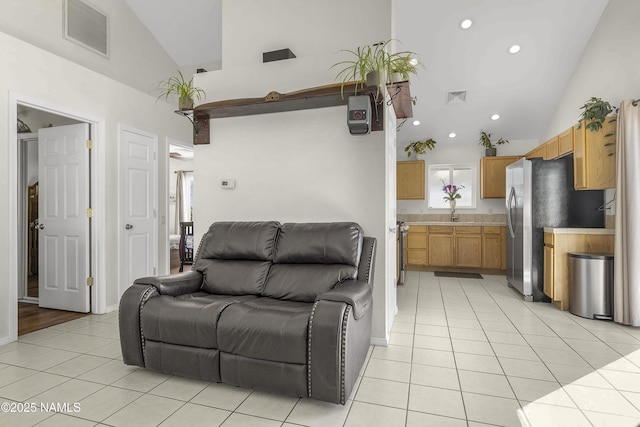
(266, 328)
(233, 277)
(234, 257)
(190, 319)
(304, 282)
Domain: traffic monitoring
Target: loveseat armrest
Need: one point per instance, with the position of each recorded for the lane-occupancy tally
(353, 292)
(131, 339)
(174, 284)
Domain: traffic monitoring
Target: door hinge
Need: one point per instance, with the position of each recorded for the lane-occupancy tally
(89, 213)
(89, 281)
(89, 144)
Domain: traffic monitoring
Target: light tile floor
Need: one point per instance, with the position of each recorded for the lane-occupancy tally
(463, 352)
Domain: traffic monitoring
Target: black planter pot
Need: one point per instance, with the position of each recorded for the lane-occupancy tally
(490, 152)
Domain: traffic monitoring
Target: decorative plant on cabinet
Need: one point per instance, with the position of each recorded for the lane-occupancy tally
(490, 147)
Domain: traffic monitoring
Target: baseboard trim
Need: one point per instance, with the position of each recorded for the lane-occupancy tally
(383, 342)
(111, 308)
(5, 340)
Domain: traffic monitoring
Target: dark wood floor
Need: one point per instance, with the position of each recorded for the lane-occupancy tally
(33, 318)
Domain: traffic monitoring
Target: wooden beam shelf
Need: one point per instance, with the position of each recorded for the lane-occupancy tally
(317, 97)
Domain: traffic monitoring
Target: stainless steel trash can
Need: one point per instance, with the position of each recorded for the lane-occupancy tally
(591, 285)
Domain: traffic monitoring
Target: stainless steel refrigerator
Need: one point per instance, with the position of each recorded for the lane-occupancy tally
(540, 194)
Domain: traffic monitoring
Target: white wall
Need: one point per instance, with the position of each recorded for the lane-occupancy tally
(609, 68)
(76, 89)
(300, 166)
(136, 58)
(442, 154)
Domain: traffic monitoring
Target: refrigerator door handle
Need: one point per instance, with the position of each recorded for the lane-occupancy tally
(510, 206)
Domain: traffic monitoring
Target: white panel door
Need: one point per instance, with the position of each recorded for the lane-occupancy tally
(138, 205)
(63, 259)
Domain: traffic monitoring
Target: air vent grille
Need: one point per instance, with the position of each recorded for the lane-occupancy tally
(457, 97)
(87, 26)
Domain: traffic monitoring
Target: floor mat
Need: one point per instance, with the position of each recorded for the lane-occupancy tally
(457, 275)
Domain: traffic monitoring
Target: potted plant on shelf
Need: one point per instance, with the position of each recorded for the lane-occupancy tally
(490, 147)
(595, 112)
(375, 66)
(185, 90)
(419, 147)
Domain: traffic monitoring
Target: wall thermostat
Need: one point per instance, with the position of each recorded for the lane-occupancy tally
(228, 183)
(359, 114)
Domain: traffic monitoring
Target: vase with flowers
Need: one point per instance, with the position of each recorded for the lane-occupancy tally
(452, 194)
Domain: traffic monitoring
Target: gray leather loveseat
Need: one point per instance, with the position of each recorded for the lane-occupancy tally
(282, 308)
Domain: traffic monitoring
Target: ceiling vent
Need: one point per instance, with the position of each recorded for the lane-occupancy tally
(457, 97)
(87, 26)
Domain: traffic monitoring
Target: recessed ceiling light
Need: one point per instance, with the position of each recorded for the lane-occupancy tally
(495, 117)
(416, 122)
(452, 135)
(466, 24)
(514, 49)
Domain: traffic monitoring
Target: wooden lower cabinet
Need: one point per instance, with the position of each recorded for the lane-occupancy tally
(457, 246)
(556, 260)
(441, 246)
(492, 248)
(417, 245)
(468, 247)
(548, 271)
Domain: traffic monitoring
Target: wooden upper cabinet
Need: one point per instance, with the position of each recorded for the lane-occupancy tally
(539, 151)
(493, 176)
(565, 142)
(551, 151)
(410, 180)
(594, 157)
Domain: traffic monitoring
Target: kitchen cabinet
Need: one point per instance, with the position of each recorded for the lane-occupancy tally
(464, 246)
(557, 246)
(565, 142)
(468, 247)
(417, 245)
(440, 246)
(539, 151)
(551, 148)
(410, 180)
(493, 176)
(493, 247)
(594, 159)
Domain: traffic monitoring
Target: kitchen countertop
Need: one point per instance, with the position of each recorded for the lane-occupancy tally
(579, 230)
(449, 223)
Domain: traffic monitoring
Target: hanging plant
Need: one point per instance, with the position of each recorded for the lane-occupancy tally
(595, 112)
(419, 147)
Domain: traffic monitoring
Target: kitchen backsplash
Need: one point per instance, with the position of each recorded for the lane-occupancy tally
(498, 218)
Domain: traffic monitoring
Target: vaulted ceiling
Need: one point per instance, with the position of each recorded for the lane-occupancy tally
(522, 88)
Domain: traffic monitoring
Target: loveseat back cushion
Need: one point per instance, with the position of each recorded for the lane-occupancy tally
(235, 257)
(240, 240)
(312, 258)
(319, 243)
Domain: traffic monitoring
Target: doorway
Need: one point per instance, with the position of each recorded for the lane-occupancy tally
(180, 207)
(24, 244)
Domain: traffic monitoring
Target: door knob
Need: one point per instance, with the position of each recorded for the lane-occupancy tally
(40, 226)
(128, 226)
